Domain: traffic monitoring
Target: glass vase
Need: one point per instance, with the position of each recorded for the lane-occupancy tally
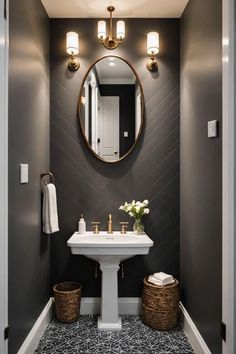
(138, 227)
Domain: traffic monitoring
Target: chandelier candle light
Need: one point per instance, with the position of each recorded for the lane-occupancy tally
(110, 41)
(136, 210)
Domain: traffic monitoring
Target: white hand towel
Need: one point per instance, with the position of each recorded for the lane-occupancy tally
(154, 281)
(163, 276)
(50, 216)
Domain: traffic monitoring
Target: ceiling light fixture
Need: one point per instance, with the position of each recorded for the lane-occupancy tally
(110, 41)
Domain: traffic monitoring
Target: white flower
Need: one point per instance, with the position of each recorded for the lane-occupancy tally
(136, 209)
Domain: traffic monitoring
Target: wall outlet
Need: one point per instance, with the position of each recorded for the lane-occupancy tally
(212, 129)
(24, 173)
(126, 134)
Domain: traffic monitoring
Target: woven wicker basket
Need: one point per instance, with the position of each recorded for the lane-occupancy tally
(67, 298)
(160, 305)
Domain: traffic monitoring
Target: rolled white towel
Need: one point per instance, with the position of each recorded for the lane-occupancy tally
(154, 281)
(163, 276)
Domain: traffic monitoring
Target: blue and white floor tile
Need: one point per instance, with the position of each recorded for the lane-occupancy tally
(84, 337)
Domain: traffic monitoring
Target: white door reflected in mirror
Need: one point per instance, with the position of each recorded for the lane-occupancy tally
(108, 128)
(111, 109)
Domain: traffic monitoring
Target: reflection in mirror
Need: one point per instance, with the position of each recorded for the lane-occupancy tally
(111, 108)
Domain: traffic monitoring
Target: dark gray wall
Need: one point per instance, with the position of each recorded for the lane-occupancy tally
(94, 188)
(29, 262)
(200, 189)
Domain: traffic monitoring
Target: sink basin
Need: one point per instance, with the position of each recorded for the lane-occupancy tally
(109, 250)
(122, 246)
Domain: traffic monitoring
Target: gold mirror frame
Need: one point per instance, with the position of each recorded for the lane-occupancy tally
(142, 110)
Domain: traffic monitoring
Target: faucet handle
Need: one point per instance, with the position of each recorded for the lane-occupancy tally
(95, 225)
(124, 225)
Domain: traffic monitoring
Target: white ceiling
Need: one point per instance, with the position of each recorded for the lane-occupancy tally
(112, 70)
(124, 8)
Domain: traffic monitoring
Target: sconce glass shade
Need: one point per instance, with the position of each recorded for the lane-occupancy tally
(120, 29)
(152, 43)
(72, 43)
(102, 29)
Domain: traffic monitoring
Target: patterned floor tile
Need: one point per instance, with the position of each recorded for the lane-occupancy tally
(134, 338)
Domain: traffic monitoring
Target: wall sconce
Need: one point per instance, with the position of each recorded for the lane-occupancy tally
(72, 48)
(111, 42)
(152, 50)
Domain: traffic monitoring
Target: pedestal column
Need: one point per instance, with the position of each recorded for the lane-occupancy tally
(109, 318)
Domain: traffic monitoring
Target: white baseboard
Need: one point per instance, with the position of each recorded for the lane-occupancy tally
(126, 305)
(197, 342)
(32, 340)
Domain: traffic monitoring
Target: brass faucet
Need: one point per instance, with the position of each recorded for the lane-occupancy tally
(95, 226)
(124, 225)
(109, 225)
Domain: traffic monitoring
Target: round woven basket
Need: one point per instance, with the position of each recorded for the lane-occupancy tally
(67, 298)
(160, 305)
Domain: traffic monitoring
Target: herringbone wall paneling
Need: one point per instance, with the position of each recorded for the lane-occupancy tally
(89, 186)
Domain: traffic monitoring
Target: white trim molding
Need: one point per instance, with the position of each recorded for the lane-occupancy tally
(126, 305)
(228, 177)
(32, 340)
(197, 342)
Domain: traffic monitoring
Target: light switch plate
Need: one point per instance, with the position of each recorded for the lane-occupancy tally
(24, 173)
(212, 129)
(126, 134)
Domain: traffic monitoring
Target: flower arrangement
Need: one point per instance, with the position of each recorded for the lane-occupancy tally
(136, 210)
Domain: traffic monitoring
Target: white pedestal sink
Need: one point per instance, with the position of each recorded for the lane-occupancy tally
(109, 250)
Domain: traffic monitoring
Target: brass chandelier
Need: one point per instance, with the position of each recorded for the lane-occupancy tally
(111, 41)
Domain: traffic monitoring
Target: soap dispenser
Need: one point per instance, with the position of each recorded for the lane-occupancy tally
(82, 225)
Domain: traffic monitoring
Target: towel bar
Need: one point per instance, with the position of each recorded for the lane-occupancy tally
(47, 173)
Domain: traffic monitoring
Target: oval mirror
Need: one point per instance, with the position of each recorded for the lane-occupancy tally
(111, 108)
